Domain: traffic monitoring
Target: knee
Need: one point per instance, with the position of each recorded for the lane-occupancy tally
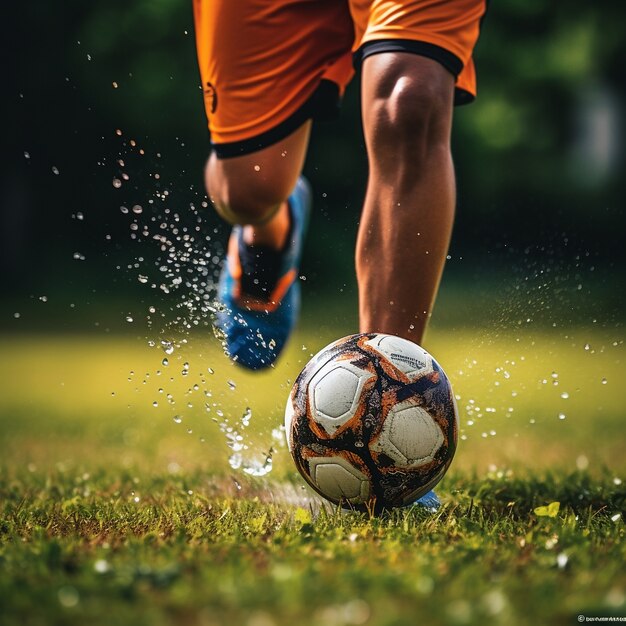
(414, 110)
(243, 197)
(411, 116)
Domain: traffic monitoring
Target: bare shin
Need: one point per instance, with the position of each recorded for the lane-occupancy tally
(409, 206)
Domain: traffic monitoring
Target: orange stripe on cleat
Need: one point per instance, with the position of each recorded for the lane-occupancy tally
(282, 286)
(269, 306)
(234, 264)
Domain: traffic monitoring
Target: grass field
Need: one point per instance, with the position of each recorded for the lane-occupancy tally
(118, 503)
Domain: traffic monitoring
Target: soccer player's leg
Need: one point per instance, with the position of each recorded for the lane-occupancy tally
(415, 56)
(267, 68)
(409, 205)
(262, 195)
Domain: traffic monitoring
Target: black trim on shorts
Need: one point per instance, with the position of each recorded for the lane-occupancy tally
(322, 105)
(448, 59)
(430, 50)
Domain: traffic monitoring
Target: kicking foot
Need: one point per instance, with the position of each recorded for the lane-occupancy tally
(259, 290)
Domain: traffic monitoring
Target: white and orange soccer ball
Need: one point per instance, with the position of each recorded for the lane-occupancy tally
(371, 422)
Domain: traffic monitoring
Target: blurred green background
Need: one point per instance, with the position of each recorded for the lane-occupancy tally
(105, 111)
(539, 155)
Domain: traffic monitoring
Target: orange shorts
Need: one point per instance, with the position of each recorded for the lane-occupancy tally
(269, 65)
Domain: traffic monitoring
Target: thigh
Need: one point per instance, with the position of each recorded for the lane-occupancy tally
(261, 61)
(443, 30)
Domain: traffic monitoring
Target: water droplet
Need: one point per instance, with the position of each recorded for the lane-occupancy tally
(79, 216)
(165, 362)
(77, 256)
(137, 208)
(117, 183)
(177, 419)
(142, 279)
(43, 298)
(168, 346)
(234, 460)
(55, 170)
(616, 517)
(129, 318)
(232, 385)
(604, 381)
(562, 416)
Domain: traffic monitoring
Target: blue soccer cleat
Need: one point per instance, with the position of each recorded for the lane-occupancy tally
(255, 329)
(429, 501)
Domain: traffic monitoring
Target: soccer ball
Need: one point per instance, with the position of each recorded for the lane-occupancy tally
(371, 422)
